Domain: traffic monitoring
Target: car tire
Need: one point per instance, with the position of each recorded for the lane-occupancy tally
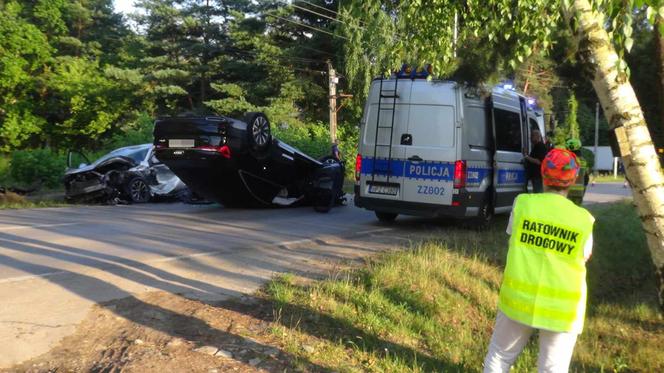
(386, 217)
(339, 189)
(324, 201)
(258, 132)
(137, 190)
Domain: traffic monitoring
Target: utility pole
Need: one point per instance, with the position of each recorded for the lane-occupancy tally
(333, 79)
(596, 135)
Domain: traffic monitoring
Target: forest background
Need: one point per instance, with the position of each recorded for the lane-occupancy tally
(75, 74)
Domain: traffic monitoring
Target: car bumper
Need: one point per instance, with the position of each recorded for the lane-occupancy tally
(467, 209)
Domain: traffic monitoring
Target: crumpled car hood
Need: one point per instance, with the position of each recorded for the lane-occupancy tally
(86, 168)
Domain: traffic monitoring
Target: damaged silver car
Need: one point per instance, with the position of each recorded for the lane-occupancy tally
(131, 174)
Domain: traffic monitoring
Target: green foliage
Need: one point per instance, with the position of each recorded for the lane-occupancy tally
(313, 139)
(4, 170)
(348, 135)
(138, 131)
(37, 167)
(439, 317)
(571, 124)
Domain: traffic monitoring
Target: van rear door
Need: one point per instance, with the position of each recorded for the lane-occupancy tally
(382, 153)
(508, 131)
(430, 150)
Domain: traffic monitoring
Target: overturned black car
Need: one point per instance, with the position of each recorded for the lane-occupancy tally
(239, 164)
(130, 174)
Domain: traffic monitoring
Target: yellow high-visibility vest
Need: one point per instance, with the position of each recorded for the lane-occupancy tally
(544, 284)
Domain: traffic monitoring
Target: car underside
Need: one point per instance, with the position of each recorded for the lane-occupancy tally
(238, 164)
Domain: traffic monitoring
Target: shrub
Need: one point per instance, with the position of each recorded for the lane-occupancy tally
(37, 167)
(313, 139)
(4, 170)
(348, 136)
(137, 132)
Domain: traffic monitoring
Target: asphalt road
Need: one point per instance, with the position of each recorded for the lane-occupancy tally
(56, 263)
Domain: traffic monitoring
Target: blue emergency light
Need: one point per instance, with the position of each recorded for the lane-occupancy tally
(410, 72)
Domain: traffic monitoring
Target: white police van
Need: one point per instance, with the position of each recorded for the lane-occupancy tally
(439, 149)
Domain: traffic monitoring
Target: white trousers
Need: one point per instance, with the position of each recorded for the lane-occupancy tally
(510, 337)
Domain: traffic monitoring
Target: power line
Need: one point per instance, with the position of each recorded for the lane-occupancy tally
(316, 13)
(281, 57)
(262, 63)
(307, 26)
(285, 58)
(316, 50)
(317, 6)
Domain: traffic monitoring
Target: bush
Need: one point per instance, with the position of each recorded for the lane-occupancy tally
(313, 139)
(137, 132)
(37, 167)
(348, 136)
(4, 170)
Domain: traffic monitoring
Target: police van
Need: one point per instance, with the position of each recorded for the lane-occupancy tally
(440, 149)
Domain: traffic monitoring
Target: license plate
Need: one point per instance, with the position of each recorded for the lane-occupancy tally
(384, 189)
(176, 143)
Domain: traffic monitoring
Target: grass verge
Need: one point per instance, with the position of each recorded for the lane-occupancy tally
(11, 200)
(607, 178)
(431, 308)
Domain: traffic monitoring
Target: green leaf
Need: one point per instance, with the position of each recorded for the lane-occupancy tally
(629, 42)
(650, 14)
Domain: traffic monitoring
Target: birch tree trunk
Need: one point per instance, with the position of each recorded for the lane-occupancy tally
(625, 117)
(659, 59)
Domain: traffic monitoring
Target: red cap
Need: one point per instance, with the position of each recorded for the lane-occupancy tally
(559, 168)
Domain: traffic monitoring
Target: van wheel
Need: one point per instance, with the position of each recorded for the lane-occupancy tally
(386, 217)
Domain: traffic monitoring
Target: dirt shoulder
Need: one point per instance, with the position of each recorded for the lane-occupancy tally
(164, 332)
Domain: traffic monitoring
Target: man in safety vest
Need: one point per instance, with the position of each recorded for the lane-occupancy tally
(544, 284)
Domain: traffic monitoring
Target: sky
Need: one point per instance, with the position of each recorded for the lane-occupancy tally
(124, 6)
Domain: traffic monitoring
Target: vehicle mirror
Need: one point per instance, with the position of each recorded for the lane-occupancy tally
(81, 165)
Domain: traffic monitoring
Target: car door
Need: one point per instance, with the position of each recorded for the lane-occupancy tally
(382, 147)
(508, 131)
(431, 152)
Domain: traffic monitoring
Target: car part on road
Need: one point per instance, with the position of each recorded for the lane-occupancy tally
(239, 164)
(130, 174)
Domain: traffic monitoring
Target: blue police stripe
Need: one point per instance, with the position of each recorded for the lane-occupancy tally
(506, 176)
(475, 175)
(438, 171)
(395, 169)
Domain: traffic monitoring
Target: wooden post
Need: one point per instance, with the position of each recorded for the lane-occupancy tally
(332, 74)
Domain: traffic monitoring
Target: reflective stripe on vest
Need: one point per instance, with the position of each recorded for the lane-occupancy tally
(544, 284)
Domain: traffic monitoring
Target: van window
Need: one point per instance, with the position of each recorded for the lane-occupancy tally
(533, 124)
(476, 130)
(508, 130)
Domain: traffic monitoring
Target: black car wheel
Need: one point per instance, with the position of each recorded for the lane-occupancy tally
(138, 190)
(258, 129)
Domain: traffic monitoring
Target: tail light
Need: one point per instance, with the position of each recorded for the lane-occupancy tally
(459, 174)
(225, 151)
(358, 167)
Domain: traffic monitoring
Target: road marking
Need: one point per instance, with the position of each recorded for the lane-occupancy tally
(11, 228)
